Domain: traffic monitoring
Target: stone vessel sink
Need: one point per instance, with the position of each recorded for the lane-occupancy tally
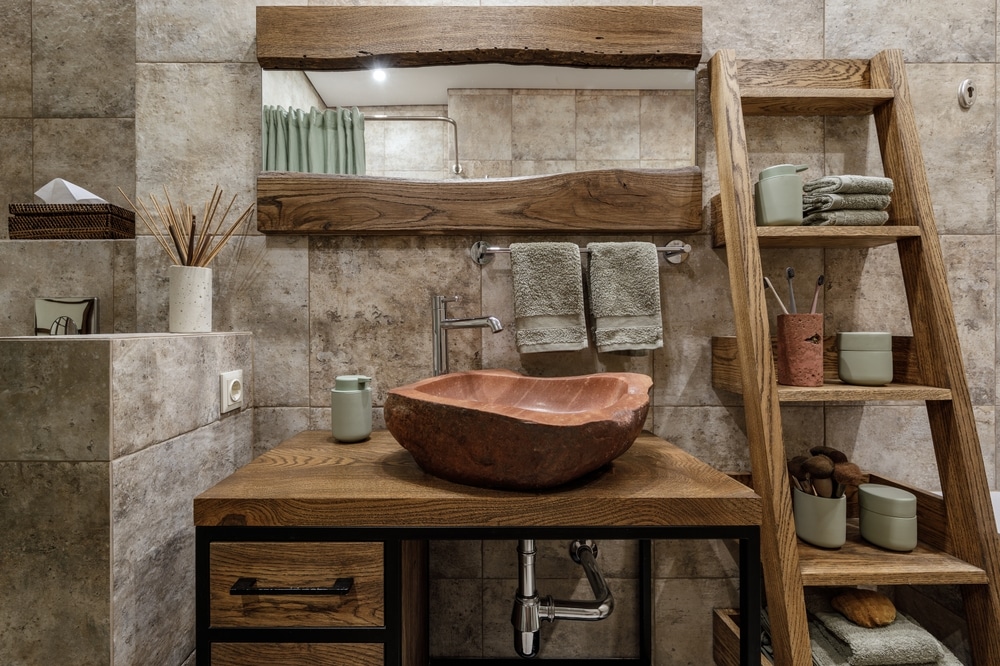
(500, 429)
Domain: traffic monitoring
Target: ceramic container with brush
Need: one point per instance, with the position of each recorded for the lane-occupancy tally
(888, 516)
(820, 521)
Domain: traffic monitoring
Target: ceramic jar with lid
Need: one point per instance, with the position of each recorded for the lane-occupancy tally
(888, 516)
(864, 357)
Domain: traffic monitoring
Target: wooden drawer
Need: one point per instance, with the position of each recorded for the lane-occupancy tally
(297, 565)
(295, 654)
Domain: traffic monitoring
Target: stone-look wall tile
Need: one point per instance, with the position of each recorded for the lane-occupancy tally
(484, 124)
(895, 441)
(780, 29)
(273, 425)
(56, 562)
(607, 125)
(696, 306)
(369, 309)
(616, 559)
(416, 145)
(123, 277)
(959, 145)
(83, 58)
(33, 269)
(541, 167)
(544, 125)
(487, 169)
(192, 31)
(264, 288)
(500, 351)
(290, 89)
(15, 166)
(615, 636)
(98, 154)
(695, 558)
(667, 120)
(683, 611)
(852, 147)
(958, 32)
(163, 386)
(198, 126)
(54, 400)
(153, 584)
(970, 265)
(864, 291)
(152, 286)
(456, 559)
(456, 617)
(15, 59)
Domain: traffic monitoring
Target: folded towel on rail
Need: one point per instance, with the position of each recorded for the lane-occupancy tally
(902, 643)
(848, 185)
(548, 297)
(847, 218)
(815, 203)
(624, 287)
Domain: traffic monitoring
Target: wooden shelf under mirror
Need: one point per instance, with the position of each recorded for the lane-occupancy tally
(599, 201)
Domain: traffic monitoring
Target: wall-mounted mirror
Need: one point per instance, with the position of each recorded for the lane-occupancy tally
(551, 90)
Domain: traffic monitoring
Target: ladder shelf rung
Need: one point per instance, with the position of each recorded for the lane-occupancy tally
(770, 101)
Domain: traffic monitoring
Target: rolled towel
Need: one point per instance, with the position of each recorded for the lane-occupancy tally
(624, 285)
(902, 642)
(814, 203)
(848, 185)
(548, 297)
(847, 218)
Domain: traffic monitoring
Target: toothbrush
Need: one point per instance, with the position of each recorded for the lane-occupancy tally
(819, 283)
(789, 274)
(768, 285)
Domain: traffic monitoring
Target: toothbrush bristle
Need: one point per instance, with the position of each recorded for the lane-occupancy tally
(790, 272)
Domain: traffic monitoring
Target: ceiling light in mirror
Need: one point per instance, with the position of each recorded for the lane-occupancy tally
(430, 85)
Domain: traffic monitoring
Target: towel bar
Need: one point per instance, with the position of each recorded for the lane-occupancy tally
(676, 252)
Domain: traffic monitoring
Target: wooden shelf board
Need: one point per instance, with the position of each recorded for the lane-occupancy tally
(859, 563)
(772, 101)
(834, 390)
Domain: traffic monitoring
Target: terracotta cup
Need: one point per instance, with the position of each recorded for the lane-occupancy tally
(799, 360)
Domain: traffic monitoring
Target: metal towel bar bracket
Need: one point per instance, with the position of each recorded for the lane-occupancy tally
(676, 252)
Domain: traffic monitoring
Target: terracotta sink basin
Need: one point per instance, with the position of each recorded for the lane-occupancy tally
(499, 429)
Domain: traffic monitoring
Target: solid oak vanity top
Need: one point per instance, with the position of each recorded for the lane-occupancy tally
(311, 481)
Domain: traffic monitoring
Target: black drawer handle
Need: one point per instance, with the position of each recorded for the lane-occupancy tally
(249, 586)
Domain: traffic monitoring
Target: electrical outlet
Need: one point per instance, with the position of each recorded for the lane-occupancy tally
(230, 391)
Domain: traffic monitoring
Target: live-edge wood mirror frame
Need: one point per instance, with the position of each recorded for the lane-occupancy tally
(598, 201)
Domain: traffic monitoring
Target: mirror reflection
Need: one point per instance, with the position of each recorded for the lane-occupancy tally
(506, 131)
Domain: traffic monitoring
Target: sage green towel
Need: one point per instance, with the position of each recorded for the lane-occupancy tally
(548, 297)
(814, 203)
(624, 286)
(847, 218)
(848, 185)
(901, 643)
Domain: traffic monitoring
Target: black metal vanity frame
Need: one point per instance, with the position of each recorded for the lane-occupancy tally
(389, 635)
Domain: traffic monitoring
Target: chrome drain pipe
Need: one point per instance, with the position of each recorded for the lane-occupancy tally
(529, 610)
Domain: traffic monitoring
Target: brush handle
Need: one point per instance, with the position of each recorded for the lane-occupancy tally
(812, 310)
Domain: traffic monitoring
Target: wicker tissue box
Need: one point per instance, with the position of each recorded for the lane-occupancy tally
(70, 221)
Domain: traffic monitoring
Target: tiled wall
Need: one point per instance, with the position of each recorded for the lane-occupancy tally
(107, 440)
(322, 307)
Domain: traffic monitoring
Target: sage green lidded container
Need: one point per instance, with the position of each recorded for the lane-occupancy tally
(864, 357)
(888, 516)
(778, 195)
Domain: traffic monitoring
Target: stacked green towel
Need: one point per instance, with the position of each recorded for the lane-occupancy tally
(848, 185)
(846, 201)
(624, 285)
(548, 297)
(836, 641)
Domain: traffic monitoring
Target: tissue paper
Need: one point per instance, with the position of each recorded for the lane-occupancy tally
(59, 191)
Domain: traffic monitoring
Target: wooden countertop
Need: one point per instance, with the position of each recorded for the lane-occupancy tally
(311, 481)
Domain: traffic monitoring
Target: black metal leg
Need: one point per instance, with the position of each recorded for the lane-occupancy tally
(392, 589)
(202, 602)
(750, 599)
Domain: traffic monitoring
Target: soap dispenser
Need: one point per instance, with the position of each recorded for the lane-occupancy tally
(351, 408)
(778, 195)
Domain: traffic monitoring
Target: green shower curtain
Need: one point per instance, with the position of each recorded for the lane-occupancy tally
(314, 141)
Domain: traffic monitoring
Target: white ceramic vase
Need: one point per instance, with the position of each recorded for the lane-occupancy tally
(190, 300)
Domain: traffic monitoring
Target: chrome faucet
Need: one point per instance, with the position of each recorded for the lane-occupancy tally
(441, 324)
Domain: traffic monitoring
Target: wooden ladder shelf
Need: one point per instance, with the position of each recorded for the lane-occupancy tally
(958, 538)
